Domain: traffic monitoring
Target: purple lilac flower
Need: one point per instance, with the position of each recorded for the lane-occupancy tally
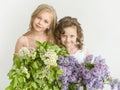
(92, 88)
(95, 76)
(118, 86)
(69, 65)
(72, 78)
(89, 74)
(86, 74)
(62, 61)
(65, 80)
(113, 83)
(99, 59)
(80, 88)
(89, 59)
(65, 87)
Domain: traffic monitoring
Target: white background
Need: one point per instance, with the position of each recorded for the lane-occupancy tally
(100, 20)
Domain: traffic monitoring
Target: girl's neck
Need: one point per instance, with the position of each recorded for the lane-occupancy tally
(72, 50)
(40, 36)
(36, 33)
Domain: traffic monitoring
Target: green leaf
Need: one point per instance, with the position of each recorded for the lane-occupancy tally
(38, 43)
(15, 82)
(34, 85)
(72, 86)
(89, 66)
(35, 65)
(9, 88)
(56, 88)
(31, 73)
(46, 88)
(59, 83)
(45, 44)
(17, 62)
(59, 72)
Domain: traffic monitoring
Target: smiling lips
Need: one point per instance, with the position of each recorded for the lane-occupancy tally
(38, 26)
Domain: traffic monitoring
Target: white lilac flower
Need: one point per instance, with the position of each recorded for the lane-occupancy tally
(80, 88)
(25, 70)
(33, 54)
(45, 72)
(24, 52)
(50, 58)
(36, 68)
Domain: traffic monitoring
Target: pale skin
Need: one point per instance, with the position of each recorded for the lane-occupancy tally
(68, 39)
(40, 23)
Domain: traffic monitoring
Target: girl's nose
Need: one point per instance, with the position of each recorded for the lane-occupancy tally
(67, 39)
(40, 22)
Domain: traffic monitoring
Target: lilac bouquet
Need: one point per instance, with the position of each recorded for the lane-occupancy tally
(115, 83)
(94, 73)
(70, 74)
(90, 75)
(49, 67)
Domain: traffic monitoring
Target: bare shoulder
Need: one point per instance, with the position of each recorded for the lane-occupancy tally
(21, 39)
(21, 42)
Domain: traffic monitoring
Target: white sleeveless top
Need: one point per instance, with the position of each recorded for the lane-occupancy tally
(80, 56)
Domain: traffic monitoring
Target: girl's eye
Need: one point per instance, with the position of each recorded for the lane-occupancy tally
(62, 35)
(46, 21)
(72, 36)
(39, 17)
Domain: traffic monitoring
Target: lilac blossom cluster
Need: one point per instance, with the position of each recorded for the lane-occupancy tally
(115, 83)
(90, 75)
(94, 73)
(70, 71)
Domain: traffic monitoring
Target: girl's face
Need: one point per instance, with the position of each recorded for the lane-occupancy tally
(68, 39)
(42, 21)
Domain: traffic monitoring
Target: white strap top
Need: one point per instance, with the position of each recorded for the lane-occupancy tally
(80, 56)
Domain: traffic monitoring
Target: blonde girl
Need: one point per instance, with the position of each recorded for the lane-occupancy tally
(42, 24)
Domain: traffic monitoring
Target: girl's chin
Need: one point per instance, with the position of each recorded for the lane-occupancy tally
(37, 30)
(70, 47)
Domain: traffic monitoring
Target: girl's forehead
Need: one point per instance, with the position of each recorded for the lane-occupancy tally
(45, 11)
(46, 14)
(70, 30)
(73, 28)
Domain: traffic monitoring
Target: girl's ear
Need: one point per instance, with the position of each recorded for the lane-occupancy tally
(48, 28)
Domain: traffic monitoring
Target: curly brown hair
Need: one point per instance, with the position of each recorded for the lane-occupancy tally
(68, 22)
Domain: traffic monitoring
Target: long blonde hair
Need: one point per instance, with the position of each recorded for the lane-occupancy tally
(47, 8)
